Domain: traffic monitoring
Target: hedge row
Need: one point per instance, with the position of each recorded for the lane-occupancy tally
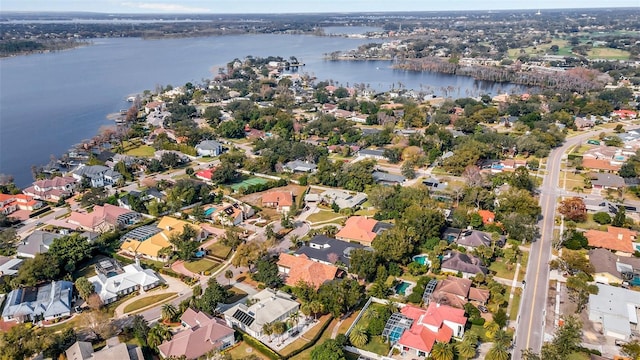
(311, 343)
(262, 348)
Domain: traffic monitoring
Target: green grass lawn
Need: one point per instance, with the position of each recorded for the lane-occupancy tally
(515, 305)
(146, 301)
(242, 350)
(363, 212)
(219, 250)
(323, 216)
(306, 355)
(590, 224)
(480, 332)
(377, 345)
(237, 295)
(501, 269)
(201, 265)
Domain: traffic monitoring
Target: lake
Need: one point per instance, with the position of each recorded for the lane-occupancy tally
(48, 102)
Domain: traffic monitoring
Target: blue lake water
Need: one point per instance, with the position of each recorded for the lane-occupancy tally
(48, 102)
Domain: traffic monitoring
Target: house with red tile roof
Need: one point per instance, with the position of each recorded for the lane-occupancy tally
(205, 174)
(614, 239)
(361, 229)
(600, 164)
(203, 334)
(52, 189)
(436, 323)
(488, 217)
(625, 114)
(282, 201)
(301, 268)
(13, 203)
(103, 218)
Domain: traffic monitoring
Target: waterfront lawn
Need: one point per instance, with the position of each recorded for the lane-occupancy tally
(199, 266)
(146, 301)
(137, 148)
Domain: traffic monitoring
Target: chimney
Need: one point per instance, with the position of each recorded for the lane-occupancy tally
(620, 236)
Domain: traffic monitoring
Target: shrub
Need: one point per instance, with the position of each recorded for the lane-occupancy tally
(477, 321)
(602, 218)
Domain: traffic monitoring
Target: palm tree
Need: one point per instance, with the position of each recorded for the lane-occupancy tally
(501, 336)
(442, 351)
(466, 349)
(316, 307)
(157, 335)
(371, 313)
(491, 328)
(294, 317)
(358, 336)
(498, 351)
(305, 309)
(267, 329)
(279, 328)
(229, 275)
(168, 312)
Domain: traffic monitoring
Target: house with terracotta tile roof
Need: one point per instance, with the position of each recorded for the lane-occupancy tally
(12, 203)
(456, 292)
(301, 268)
(103, 218)
(202, 334)
(52, 189)
(488, 217)
(436, 323)
(600, 164)
(151, 246)
(205, 174)
(279, 200)
(614, 239)
(361, 229)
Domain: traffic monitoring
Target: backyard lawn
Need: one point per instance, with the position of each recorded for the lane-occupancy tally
(377, 345)
(306, 355)
(324, 216)
(243, 350)
(146, 301)
(199, 266)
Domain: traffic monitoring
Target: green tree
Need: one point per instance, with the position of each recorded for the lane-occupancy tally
(358, 336)
(267, 329)
(213, 295)
(500, 317)
(632, 349)
(498, 351)
(340, 296)
(70, 250)
(168, 312)
(442, 351)
(267, 273)
(185, 243)
(602, 218)
(620, 217)
(363, 263)
(228, 275)
(328, 350)
(43, 267)
(8, 240)
(157, 335)
(84, 287)
(466, 348)
(579, 289)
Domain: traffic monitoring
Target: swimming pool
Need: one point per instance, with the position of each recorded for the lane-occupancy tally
(402, 288)
(422, 259)
(209, 211)
(395, 334)
(200, 253)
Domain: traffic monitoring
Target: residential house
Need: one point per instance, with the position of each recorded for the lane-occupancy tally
(617, 309)
(344, 199)
(231, 214)
(512, 164)
(614, 239)
(434, 184)
(103, 218)
(610, 268)
(600, 164)
(625, 114)
(282, 201)
(206, 174)
(52, 189)
(456, 292)
(114, 350)
(154, 106)
(328, 250)
(36, 243)
(388, 179)
(471, 239)
(9, 266)
(300, 166)
(202, 334)
(376, 154)
(267, 306)
(98, 175)
(361, 229)
(584, 123)
(48, 302)
(113, 281)
(488, 217)
(301, 268)
(422, 328)
(150, 194)
(12, 203)
(468, 265)
(209, 148)
(607, 181)
(151, 246)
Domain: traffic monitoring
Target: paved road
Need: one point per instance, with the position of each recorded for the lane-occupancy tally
(530, 326)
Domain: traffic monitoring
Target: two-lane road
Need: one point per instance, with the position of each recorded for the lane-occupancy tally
(530, 325)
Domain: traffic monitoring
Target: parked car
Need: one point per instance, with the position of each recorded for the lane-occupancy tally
(483, 308)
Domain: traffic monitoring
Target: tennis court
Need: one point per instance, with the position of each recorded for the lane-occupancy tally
(250, 181)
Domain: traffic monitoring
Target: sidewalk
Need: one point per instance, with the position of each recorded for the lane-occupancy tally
(514, 283)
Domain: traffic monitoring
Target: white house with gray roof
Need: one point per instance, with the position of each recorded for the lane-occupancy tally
(377, 154)
(209, 148)
(388, 179)
(268, 306)
(616, 309)
(300, 166)
(113, 280)
(98, 175)
(344, 199)
(50, 301)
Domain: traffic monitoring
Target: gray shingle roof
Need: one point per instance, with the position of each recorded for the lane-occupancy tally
(321, 247)
(380, 176)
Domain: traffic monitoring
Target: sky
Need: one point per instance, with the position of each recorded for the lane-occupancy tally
(295, 6)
